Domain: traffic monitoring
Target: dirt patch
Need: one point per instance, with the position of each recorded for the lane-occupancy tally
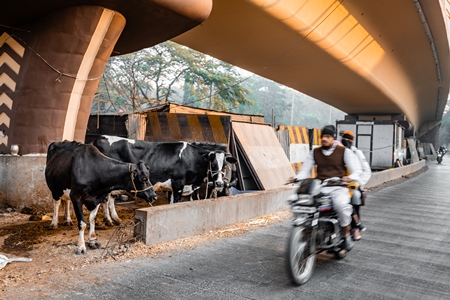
(53, 251)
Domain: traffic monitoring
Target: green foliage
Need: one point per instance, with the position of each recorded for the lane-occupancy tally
(171, 72)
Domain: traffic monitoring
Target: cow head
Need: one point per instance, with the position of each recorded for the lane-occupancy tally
(217, 162)
(140, 180)
(230, 174)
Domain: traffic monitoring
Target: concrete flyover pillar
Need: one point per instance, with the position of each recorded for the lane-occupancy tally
(49, 71)
(431, 136)
(52, 55)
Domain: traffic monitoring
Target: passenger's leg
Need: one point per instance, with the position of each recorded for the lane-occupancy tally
(341, 203)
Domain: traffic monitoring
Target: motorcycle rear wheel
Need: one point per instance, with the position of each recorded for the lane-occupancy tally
(300, 255)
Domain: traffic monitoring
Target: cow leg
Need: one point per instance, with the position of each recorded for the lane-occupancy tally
(54, 223)
(177, 190)
(106, 213)
(109, 212)
(195, 195)
(81, 247)
(77, 207)
(92, 238)
(67, 218)
(64, 200)
(113, 212)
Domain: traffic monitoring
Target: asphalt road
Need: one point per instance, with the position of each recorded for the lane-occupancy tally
(404, 254)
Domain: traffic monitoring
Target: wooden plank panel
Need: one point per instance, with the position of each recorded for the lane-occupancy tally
(153, 126)
(169, 127)
(196, 129)
(180, 109)
(136, 126)
(265, 154)
(217, 129)
(174, 127)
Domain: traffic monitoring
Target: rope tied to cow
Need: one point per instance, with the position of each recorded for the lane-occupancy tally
(213, 192)
(213, 173)
(135, 191)
(121, 240)
(206, 179)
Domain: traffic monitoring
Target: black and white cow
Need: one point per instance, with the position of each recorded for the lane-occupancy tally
(230, 179)
(174, 164)
(91, 176)
(110, 214)
(60, 149)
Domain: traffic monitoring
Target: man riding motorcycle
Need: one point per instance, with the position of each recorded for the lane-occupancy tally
(334, 160)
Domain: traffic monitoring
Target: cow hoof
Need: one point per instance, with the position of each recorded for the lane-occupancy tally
(118, 221)
(108, 223)
(68, 223)
(80, 251)
(53, 226)
(94, 245)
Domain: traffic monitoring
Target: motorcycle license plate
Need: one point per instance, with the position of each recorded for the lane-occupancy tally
(304, 210)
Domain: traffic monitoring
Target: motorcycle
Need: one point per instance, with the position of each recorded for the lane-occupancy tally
(315, 228)
(439, 157)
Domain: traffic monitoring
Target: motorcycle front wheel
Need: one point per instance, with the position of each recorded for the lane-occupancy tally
(300, 255)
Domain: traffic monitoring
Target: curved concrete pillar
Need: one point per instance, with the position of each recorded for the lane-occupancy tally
(49, 72)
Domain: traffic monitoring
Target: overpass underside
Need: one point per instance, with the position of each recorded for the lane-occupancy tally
(367, 58)
(371, 58)
(53, 53)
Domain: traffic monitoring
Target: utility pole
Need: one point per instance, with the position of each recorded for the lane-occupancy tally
(292, 107)
(329, 116)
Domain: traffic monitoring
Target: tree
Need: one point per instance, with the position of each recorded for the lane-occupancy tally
(171, 72)
(269, 98)
(288, 106)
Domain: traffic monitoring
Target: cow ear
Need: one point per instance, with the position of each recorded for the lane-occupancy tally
(231, 160)
(208, 156)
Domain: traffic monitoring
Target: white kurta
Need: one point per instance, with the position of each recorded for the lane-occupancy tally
(339, 195)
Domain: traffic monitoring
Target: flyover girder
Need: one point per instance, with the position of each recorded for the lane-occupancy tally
(363, 57)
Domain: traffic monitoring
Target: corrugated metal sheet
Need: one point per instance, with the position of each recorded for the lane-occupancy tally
(383, 139)
(266, 156)
(170, 127)
(314, 137)
(382, 142)
(180, 109)
(283, 138)
(108, 125)
(299, 145)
